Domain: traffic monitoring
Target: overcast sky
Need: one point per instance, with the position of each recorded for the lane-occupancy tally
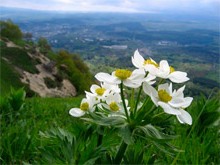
(117, 5)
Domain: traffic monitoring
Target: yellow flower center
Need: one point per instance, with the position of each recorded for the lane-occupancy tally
(164, 96)
(149, 61)
(113, 106)
(123, 74)
(172, 69)
(84, 106)
(100, 91)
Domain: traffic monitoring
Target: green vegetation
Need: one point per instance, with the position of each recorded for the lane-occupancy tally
(40, 131)
(19, 58)
(13, 61)
(44, 45)
(9, 30)
(72, 67)
(16, 58)
(8, 78)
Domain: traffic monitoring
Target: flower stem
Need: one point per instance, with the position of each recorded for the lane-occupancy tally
(137, 101)
(120, 153)
(145, 102)
(123, 101)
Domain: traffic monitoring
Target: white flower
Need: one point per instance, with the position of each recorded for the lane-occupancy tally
(113, 88)
(113, 102)
(149, 79)
(130, 79)
(98, 92)
(148, 65)
(163, 70)
(172, 102)
(167, 72)
(87, 104)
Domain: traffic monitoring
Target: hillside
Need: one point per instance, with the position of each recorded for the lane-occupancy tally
(40, 70)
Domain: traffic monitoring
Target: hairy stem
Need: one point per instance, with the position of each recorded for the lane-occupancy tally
(123, 101)
(137, 101)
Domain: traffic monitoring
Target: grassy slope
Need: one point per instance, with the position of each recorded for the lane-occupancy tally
(19, 58)
(16, 58)
(8, 78)
(37, 135)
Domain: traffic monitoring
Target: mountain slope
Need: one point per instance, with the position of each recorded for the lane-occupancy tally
(41, 71)
(32, 69)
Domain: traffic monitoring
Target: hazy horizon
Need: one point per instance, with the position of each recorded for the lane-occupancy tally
(209, 7)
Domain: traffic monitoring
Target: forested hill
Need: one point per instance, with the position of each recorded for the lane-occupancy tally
(37, 68)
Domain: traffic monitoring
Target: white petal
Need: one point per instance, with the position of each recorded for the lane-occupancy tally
(113, 98)
(111, 88)
(164, 68)
(89, 95)
(177, 102)
(168, 109)
(105, 77)
(137, 74)
(151, 69)
(137, 60)
(178, 77)
(187, 102)
(76, 112)
(151, 82)
(154, 99)
(93, 88)
(184, 117)
(84, 100)
(149, 78)
(132, 84)
(181, 102)
(171, 88)
(164, 86)
(148, 89)
(179, 92)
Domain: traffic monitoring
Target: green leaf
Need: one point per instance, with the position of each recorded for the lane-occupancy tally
(126, 134)
(16, 98)
(153, 133)
(103, 120)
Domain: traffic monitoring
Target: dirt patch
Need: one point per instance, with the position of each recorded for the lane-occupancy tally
(37, 84)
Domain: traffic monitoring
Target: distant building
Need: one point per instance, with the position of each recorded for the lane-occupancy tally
(116, 47)
(166, 43)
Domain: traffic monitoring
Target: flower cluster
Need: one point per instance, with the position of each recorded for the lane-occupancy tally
(109, 96)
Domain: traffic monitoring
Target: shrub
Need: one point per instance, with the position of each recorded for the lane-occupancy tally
(72, 67)
(9, 30)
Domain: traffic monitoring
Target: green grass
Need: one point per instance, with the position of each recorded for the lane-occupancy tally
(40, 131)
(8, 78)
(19, 57)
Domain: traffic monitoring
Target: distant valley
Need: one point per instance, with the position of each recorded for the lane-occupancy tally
(107, 41)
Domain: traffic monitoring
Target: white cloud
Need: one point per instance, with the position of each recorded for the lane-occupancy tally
(64, 1)
(115, 5)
